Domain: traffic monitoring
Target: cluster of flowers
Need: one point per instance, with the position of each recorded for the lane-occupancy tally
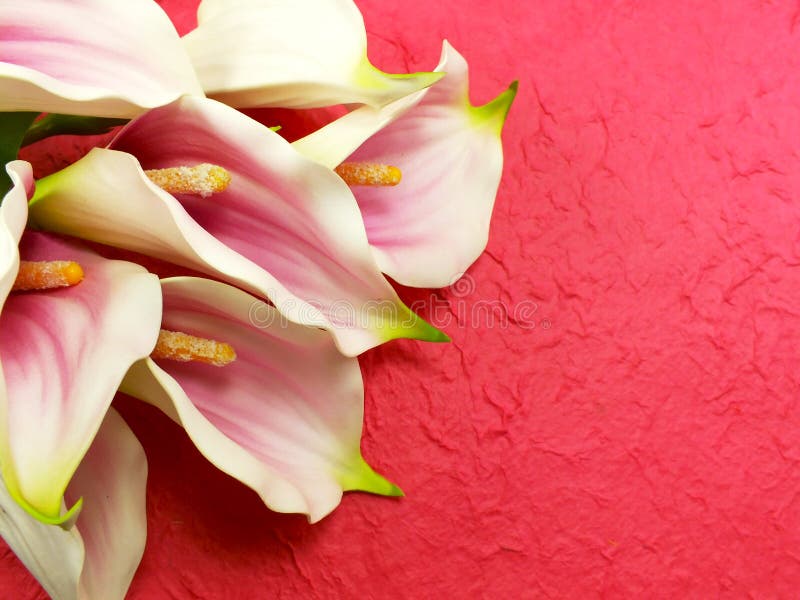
(257, 362)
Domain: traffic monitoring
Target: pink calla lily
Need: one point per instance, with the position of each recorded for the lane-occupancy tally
(284, 417)
(290, 53)
(98, 557)
(286, 228)
(429, 229)
(104, 58)
(63, 352)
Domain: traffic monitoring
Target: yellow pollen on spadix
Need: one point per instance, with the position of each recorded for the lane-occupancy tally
(204, 179)
(373, 174)
(47, 275)
(176, 345)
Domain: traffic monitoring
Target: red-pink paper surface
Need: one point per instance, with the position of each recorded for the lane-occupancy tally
(634, 430)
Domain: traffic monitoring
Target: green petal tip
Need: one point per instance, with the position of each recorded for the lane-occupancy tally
(422, 79)
(51, 516)
(363, 478)
(65, 521)
(409, 325)
(383, 88)
(429, 333)
(496, 110)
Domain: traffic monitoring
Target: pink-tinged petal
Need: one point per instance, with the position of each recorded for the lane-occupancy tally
(331, 144)
(286, 228)
(98, 557)
(112, 480)
(428, 230)
(63, 354)
(284, 418)
(103, 58)
(296, 54)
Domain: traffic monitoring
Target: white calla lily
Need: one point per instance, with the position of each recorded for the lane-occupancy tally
(103, 58)
(426, 231)
(285, 228)
(291, 53)
(64, 352)
(283, 418)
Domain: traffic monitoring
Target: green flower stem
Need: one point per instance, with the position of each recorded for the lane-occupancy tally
(55, 124)
(13, 126)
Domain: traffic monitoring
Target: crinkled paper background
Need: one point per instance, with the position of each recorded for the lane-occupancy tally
(617, 415)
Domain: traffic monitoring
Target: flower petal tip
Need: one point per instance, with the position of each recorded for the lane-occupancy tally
(66, 521)
(434, 335)
(394, 491)
(388, 87)
(363, 478)
(411, 326)
(423, 79)
(425, 332)
(496, 111)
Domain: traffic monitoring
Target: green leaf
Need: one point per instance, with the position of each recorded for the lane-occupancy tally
(13, 126)
(56, 124)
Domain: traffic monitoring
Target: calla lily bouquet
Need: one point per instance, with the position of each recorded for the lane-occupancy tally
(284, 247)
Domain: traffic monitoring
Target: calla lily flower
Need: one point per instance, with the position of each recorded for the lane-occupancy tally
(98, 557)
(63, 354)
(284, 417)
(104, 58)
(290, 53)
(285, 228)
(426, 231)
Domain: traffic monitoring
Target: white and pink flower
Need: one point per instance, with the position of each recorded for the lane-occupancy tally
(285, 228)
(284, 417)
(426, 231)
(63, 353)
(97, 558)
(102, 58)
(293, 54)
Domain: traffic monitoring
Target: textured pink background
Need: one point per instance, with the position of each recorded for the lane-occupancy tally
(647, 443)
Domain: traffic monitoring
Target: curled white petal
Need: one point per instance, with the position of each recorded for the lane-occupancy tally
(90, 57)
(290, 53)
(64, 353)
(98, 557)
